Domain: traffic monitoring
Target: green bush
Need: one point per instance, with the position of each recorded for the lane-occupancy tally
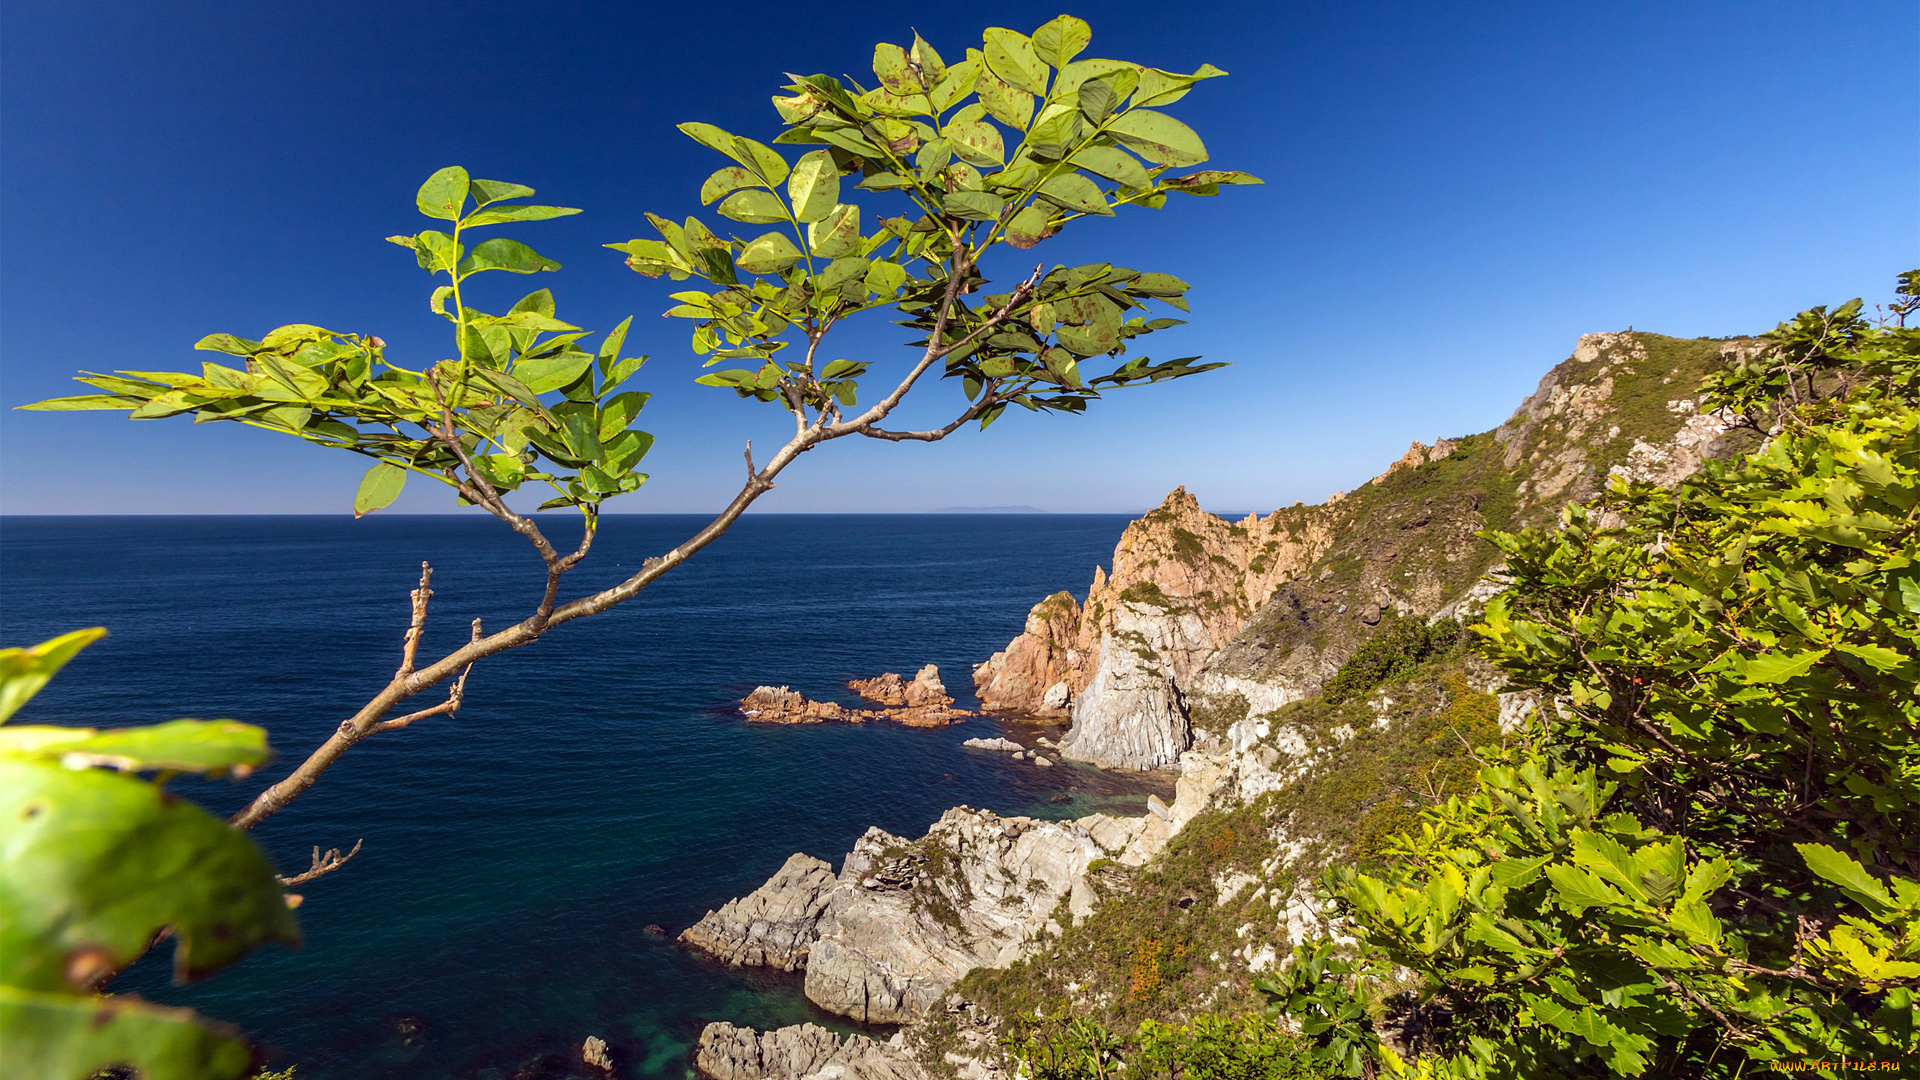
(1705, 858)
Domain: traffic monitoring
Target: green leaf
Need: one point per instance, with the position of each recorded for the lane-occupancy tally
(891, 67)
(1005, 102)
(975, 205)
(1579, 890)
(1010, 55)
(1075, 192)
(1159, 87)
(516, 213)
(1158, 285)
(623, 450)
(74, 1036)
(836, 234)
(814, 186)
(1028, 227)
(500, 253)
(24, 671)
(768, 254)
(619, 411)
(444, 193)
(730, 179)
(227, 343)
(610, 348)
(492, 191)
(755, 207)
(94, 863)
(198, 746)
(1158, 137)
(885, 278)
(1115, 164)
(1849, 876)
(1781, 666)
(544, 373)
(1062, 39)
(379, 488)
(976, 142)
(923, 56)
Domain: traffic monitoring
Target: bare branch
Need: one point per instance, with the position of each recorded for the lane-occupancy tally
(446, 708)
(411, 644)
(936, 434)
(936, 348)
(323, 864)
(368, 720)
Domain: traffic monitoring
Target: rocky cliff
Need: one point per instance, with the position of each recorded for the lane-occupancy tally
(905, 919)
(1206, 649)
(1203, 621)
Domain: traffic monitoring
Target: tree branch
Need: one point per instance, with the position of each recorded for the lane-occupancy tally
(323, 864)
(368, 720)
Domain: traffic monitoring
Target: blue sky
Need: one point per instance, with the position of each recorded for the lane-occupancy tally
(1454, 194)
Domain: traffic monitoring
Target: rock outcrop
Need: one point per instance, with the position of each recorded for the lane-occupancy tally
(774, 925)
(1207, 619)
(922, 702)
(594, 1053)
(905, 919)
(800, 1052)
(784, 705)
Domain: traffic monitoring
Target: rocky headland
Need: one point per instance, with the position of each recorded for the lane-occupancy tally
(922, 701)
(1204, 652)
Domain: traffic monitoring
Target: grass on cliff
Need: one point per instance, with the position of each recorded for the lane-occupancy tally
(1164, 945)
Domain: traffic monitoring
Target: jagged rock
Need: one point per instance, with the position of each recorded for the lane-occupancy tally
(905, 919)
(783, 705)
(774, 925)
(1003, 745)
(921, 703)
(800, 1052)
(1129, 717)
(595, 1053)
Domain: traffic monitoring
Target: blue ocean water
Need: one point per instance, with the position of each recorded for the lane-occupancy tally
(595, 783)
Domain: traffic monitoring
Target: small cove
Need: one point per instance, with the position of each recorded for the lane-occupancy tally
(596, 783)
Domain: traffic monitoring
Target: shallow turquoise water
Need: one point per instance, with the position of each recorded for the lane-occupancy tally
(596, 782)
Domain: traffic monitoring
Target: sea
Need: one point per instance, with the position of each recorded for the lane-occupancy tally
(519, 861)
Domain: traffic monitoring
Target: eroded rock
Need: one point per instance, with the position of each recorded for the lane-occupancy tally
(774, 925)
(800, 1052)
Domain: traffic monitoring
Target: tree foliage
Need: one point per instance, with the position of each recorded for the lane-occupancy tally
(1001, 149)
(95, 862)
(1705, 856)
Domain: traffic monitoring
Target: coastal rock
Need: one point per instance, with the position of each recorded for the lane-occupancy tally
(800, 1052)
(1130, 716)
(783, 705)
(921, 703)
(909, 918)
(891, 690)
(594, 1053)
(905, 919)
(1007, 746)
(1035, 672)
(774, 925)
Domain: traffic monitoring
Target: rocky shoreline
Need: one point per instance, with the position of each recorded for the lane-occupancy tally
(1177, 661)
(920, 702)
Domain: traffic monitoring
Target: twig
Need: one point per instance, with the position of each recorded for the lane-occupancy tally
(323, 864)
(445, 708)
(418, 626)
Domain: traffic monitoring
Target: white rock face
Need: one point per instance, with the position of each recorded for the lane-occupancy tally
(1129, 717)
(774, 925)
(800, 1052)
(1006, 746)
(907, 920)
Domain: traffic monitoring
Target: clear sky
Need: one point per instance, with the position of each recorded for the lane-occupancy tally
(1455, 192)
